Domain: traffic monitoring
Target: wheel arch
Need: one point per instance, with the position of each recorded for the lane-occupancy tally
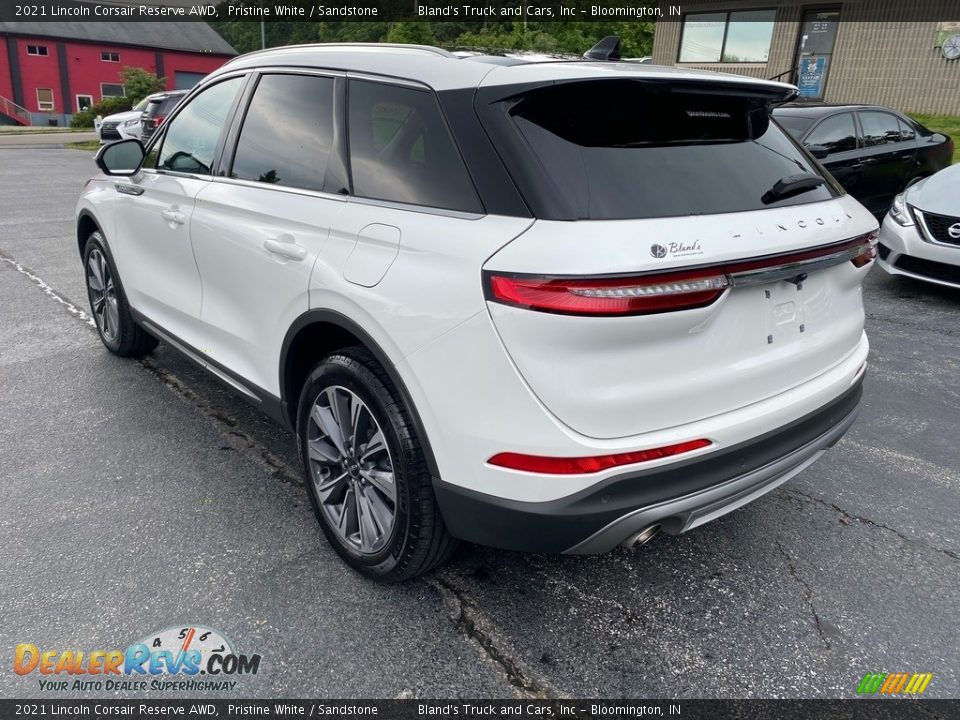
(316, 334)
(86, 224)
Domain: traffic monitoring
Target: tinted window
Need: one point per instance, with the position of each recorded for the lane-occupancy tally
(612, 149)
(836, 133)
(907, 132)
(191, 138)
(879, 128)
(401, 149)
(794, 124)
(288, 132)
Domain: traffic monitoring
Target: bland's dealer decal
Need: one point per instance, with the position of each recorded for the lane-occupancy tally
(171, 659)
(676, 249)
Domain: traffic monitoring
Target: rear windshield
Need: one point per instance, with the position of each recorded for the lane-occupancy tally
(794, 124)
(615, 149)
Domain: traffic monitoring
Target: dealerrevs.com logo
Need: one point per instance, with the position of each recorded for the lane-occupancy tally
(172, 659)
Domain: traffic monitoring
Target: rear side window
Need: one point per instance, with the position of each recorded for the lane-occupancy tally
(402, 151)
(287, 133)
(615, 149)
(190, 142)
(879, 128)
(907, 132)
(794, 124)
(836, 133)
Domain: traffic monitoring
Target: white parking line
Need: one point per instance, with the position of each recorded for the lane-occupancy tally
(41, 283)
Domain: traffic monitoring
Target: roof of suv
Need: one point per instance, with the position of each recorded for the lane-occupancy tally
(443, 70)
(820, 109)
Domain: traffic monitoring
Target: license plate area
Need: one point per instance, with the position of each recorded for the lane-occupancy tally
(784, 311)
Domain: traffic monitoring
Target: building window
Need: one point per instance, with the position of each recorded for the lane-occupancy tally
(729, 37)
(110, 56)
(83, 102)
(44, 99)
(111, 90)
(40, 50)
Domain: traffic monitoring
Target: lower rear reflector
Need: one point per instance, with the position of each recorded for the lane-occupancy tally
(586, 465)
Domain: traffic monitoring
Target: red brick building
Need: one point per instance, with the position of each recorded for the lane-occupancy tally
(50, 70)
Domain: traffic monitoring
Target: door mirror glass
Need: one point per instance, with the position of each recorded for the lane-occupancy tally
(120, 158)
(818, 151)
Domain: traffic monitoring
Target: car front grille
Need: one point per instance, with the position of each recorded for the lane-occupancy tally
(929, 268)
(937, 227)
(108, 131)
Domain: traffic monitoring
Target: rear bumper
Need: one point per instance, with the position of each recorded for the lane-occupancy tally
(679, 496)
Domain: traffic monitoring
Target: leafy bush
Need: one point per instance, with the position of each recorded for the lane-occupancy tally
(138, 83)
(108, 106)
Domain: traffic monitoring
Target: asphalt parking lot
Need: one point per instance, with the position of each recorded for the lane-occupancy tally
(140, 495)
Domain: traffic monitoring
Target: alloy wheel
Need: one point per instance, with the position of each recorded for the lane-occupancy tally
(103, 296)
(352, 470)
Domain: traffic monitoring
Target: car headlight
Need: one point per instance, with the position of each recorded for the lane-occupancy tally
(128, 123)
(899, 211)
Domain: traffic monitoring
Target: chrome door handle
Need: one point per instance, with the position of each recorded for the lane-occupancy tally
(173, 216)
(285, 247)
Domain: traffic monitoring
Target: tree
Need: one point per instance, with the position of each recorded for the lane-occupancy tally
(138, 83)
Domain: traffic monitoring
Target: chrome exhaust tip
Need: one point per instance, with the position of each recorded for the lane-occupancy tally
(642, 537)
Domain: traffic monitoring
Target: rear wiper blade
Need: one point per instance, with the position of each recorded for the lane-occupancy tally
(790, 186)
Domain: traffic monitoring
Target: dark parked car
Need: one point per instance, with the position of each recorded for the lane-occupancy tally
(874, 152)
(157, 110)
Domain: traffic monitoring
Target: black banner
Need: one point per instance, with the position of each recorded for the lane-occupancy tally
(853, 709)
(442, 10)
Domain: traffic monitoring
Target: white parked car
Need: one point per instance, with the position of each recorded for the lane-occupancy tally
(122, 125)
(545, 306)
(920, 236)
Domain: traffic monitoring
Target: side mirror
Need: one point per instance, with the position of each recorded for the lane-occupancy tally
(120, 158)
(818, 151)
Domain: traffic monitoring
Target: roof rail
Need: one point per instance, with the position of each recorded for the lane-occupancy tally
(396, 46)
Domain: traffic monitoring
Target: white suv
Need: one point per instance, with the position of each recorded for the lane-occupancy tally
(545, 306)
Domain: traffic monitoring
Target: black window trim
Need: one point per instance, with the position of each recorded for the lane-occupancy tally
(726, 30)
(156, 141)
(857, 133)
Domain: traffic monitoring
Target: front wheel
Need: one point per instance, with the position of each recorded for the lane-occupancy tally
(365, 470)
(111, 312)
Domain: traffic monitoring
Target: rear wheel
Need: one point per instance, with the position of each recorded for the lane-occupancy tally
(366, 472)
(111, 312)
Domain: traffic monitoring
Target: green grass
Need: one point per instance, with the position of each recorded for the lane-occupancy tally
(948, 124)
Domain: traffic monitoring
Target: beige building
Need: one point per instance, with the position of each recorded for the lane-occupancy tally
(859, 51)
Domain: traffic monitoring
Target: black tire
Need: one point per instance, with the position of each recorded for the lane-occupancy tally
(419, 539)
(120, 334)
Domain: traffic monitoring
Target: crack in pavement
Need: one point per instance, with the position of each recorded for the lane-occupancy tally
(807, 594)
(247, 445)
(868, 522)
(472, 627)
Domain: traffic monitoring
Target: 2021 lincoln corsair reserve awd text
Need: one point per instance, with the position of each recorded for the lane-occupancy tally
(545, 306)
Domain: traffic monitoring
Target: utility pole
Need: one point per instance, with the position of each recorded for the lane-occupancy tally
(263, 34)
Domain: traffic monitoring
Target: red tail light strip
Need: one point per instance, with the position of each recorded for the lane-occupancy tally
(587, 465)
(668, 291)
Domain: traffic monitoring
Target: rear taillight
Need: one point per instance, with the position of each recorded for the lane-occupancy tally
(868, 251)
(158, 121)
(667, 291)
(610, 296)
(586, 465)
